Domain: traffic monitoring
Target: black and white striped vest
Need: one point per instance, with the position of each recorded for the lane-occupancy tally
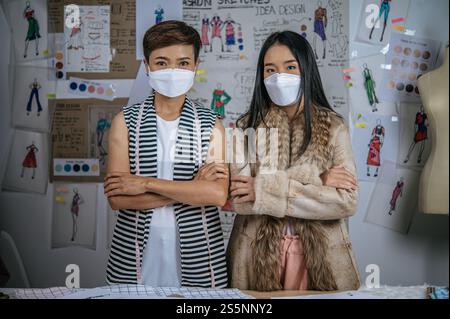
(201, 240)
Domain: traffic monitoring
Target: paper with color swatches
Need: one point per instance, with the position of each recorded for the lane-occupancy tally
(91, 89)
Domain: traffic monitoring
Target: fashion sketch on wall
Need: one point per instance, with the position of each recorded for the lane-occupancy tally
(74, 219)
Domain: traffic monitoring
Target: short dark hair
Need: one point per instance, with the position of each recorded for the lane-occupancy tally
(169, 33)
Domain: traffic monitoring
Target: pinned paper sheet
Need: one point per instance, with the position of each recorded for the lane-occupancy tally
(28, 26)
(409, 57)
(379, 19)
(375, 140)
(87, 38)
(92, 89)
(31, 148)
(76, 167)
(74, 216)
(32, 91)
(394, 199)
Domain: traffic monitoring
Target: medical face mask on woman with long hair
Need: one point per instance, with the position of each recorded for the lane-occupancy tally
(283, 88)
(171, 82)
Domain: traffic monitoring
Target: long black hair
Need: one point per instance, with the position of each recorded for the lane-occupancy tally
(311, 83)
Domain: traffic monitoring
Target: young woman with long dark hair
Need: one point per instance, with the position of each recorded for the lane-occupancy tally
(290, 231)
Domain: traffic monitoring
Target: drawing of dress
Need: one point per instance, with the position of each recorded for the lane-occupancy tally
(373, 159)
(33, 29)
(33, 25)
(102, 126)
(30, 158)
(422, 129)
(229, 33)
(219, 100)
(216, 24)
(159, 15)
(75, 41)
(369, 85)
(35, 87)
(205, 29)
(320, 22)
(396, 193)
(385, 8)
(75, 30)
(375, 145)
(420, 135)
(74, 210)
(216, 27)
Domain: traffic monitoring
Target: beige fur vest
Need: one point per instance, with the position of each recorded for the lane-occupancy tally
(265, 247)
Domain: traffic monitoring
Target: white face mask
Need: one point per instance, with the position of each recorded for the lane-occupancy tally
(171, 82)
(283, 88)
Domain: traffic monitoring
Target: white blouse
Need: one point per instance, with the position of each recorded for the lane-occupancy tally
(161, 265)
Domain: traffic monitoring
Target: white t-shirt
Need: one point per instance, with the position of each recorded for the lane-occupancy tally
(161, 265)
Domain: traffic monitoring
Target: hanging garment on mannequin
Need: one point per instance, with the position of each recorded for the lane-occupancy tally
(433, 190)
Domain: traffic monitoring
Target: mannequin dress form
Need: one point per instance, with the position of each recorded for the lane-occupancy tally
(433, 189)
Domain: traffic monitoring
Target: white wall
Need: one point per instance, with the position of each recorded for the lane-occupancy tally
(416, 258)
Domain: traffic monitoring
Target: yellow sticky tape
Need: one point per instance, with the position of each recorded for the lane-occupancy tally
(361, 125)
(51, 95)
(60, 199)
(200, 80)
(398, 27)
(201, 72)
